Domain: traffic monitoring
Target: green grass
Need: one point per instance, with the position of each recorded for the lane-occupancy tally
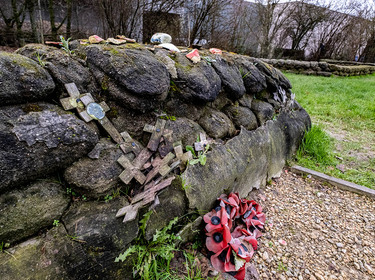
(316, 146)
(344, 107)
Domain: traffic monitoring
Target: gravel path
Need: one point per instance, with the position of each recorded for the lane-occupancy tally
(328, 233)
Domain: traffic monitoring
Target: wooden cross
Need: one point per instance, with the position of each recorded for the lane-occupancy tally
(133, 169)
(74, 101)
(183, 157)
(166, 145)
(160, 167)
(129, 145)
(142, 199)
(89, 110)
(200, 146)
(157, 131)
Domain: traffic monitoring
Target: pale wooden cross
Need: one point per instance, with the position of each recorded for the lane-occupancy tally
(133, 169)
(142, 199)
(161, 166)
(183, 157)
(129, 145)
(201, 145)
(89, 110)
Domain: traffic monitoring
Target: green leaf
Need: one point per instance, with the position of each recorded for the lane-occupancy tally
(143, 224)
(122, 257)
(191, 149)
(238, 262)
(193, 161)
(202, 159)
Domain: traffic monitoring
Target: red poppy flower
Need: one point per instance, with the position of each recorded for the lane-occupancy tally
(237, 232)
(242, 248)
(216, 219)
(231, 205)
(251, 237)
(224, 260)
(254, 218)
(240, 275)
(244, 205)
(218, 239)
(233, 250)
(257, 207)
(218, 260)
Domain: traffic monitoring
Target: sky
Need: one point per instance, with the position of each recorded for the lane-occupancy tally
(337, 3)
(327, 1)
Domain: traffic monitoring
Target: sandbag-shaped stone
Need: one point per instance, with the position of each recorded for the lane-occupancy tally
(23, 80)
(37, 139)
(63, 67)
(66, 255)
(242, 116)
(230, 76)
(96, 224)
(196, 81)
(25, 212)
(254, 80)
(185, 130)
(217, 124)
(137, 70)
(263, 110)
(96, 177)
(275, 78)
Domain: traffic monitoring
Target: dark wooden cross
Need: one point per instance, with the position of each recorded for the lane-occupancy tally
(166, 145)
(157, 131)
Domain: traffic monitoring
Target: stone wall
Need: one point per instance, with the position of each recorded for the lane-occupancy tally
(322, 68)
(57, 170)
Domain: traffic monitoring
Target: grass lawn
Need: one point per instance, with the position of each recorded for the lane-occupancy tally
(345, 108)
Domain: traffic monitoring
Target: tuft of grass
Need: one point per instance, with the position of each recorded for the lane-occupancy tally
(317, 145)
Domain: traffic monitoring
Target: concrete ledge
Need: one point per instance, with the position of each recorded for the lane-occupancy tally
(342, 184)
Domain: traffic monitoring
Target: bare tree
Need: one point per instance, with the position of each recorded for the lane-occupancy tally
(204, 18)
(331, 34)
(272, 17)
(14, 17)
(162, 16)
(304, 16)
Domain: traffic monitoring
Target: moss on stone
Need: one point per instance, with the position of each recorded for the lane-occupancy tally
(31, 108)
(105, 83)
(134, 46)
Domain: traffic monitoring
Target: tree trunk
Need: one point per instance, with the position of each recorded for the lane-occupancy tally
(69, 18)
(31, 11)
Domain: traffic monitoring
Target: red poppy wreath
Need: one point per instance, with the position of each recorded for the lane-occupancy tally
(232, 231)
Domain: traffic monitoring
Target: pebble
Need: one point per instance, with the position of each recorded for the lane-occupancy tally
(327, 238)
(265, 256)
(213, 273)
(318, 276)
